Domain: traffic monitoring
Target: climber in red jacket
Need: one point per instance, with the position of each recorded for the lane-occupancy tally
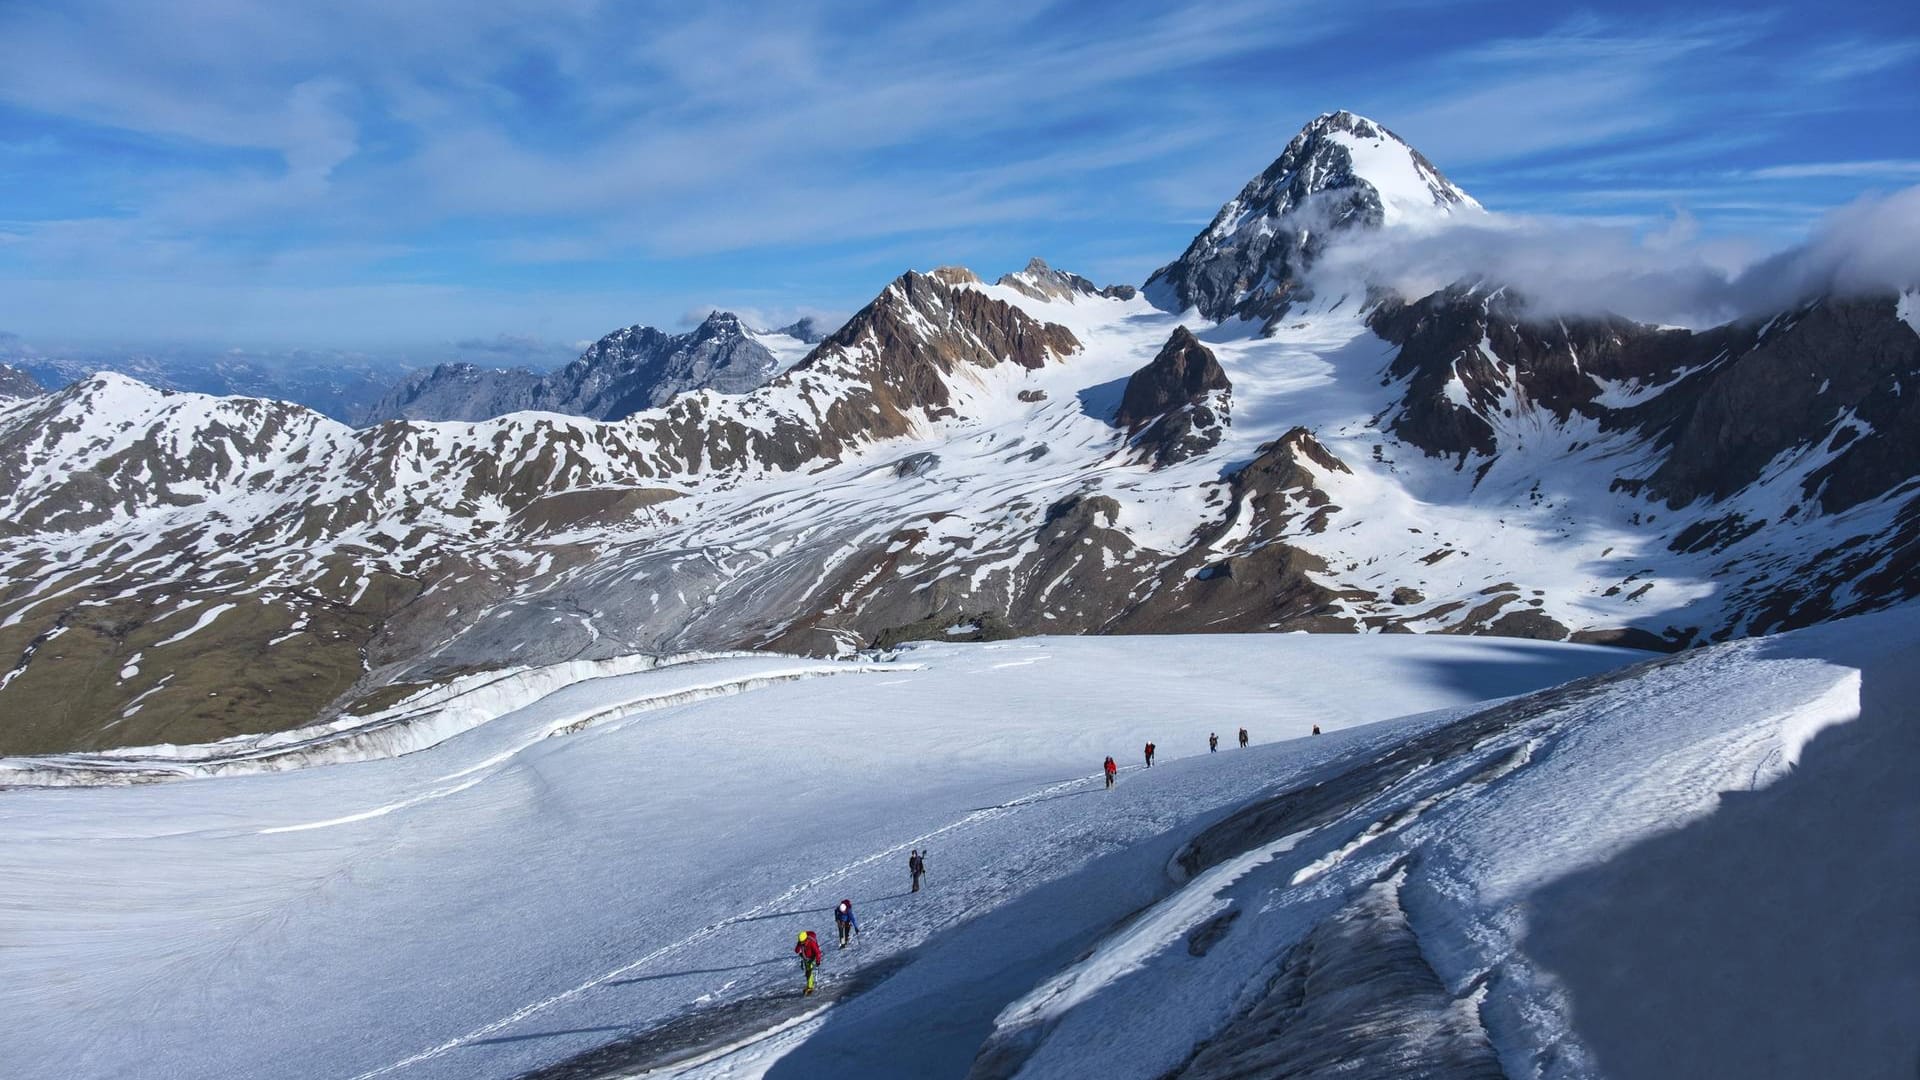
(808, 950)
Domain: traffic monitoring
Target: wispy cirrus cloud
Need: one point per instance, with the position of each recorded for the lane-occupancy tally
(555, 168)
(1887, 169)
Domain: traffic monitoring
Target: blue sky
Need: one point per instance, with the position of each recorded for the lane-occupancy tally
(373, 173)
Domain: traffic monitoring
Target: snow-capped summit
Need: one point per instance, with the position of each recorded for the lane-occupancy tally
(1342, 171)
(1341, 150)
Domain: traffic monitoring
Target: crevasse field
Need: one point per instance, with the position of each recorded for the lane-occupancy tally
(1701, 865)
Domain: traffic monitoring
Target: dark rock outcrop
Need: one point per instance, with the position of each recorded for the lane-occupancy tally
(909, 361)
(1842, 374)
(1175, 407)
(1183, 372)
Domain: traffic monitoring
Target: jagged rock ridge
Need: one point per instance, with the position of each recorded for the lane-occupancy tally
(625, 372)
(1043, 282)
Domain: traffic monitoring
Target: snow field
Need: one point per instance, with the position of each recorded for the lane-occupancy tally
(508, 898)
(1621, 879)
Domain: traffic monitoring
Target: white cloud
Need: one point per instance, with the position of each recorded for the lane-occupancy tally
(1889, 168)
(1672, 277)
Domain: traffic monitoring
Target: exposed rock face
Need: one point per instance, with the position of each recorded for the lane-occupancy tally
(1786, 390)
(626, 372)
(15, 383)
(1341, 172)
(1472, 356)
(1814, 404)
(919, 331)
(1183, 372)
(637, 369)
(1722, 402)
(1043, 282)
(1177, 405)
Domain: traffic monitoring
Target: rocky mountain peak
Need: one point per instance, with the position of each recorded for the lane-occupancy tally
(954, 275)
(1184, 371)
(925, 324)
(1341, 172)
(719, 324)
(1177, 405)
(1043, 282)
(1340, 151)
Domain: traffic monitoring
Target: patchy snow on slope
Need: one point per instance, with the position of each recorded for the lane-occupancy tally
(205, 620)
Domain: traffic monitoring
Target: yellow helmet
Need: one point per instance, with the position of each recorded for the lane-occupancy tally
(803, 935)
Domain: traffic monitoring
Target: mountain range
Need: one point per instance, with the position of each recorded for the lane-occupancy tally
(623, 373)
(1235, 446)
(340, 385)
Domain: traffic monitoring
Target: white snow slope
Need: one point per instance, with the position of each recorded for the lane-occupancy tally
(506, 899)
(1703, 865)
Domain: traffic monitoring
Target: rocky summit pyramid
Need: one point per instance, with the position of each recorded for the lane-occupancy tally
(1341, 172)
